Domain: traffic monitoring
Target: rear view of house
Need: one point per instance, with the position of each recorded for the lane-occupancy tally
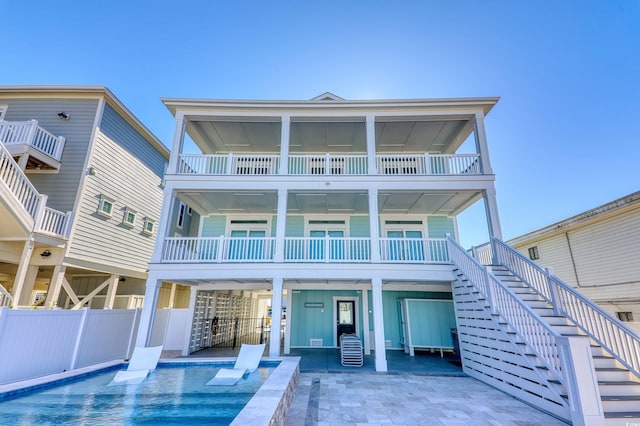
(297, 222)
(80, 198)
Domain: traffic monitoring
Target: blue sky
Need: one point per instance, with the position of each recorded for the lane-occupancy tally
(563, 138)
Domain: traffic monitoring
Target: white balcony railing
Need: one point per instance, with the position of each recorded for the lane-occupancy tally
(303, 249)
(229, 164)
(54, 222)
(414, 250)
(327, 249)
(217, 249)
(329, 164)
(29, 133)
(428, 164)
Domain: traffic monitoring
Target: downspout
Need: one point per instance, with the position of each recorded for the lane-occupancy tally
(573, 261)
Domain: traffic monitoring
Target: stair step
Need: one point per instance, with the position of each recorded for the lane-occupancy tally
(603, 361)
(628, 388)
(627, 415)
(613, 375)
(620, 404)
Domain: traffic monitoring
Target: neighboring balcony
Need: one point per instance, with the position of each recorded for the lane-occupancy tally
(40, 149)
(329, 164)
(303, 249)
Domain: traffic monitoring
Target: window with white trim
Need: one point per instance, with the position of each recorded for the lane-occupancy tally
(534, 254)
(181, 212)
(129, 217)
(105, 206)
(3, 111)
(149, 226)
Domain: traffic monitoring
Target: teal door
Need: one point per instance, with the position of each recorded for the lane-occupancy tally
(317, 245)
(247, 244)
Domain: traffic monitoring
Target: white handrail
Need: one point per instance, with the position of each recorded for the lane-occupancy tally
(54, 222)
(29, 133)
(17, 182)
(5, 297)
(527, 324)
(414, 250)
(616, 338)
(228, 164)
(428, 164)
(218, 249)
(327, 249)
(328, 164)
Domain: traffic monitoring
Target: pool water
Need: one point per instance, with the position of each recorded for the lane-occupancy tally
(171, 395)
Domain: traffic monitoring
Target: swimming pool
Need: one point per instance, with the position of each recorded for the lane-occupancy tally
(175, 393)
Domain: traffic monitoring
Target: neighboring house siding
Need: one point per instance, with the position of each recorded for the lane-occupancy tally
(607, 252)
(118, 129)
(604, 252)
(61, 187)
(125, 178)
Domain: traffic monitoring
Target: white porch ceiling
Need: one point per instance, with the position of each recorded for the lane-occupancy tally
(335, 202)
(344, 135)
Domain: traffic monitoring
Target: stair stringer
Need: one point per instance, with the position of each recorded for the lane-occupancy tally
(490, 354)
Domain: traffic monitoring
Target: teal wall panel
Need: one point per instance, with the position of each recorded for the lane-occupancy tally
(214, 226)
(391, 313)
(440, 226)
(295, 226)
(359, 227)
(431, 322)
(317, 323)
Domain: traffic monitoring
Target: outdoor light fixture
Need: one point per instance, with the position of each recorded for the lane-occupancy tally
(123, 279)
(63, 115)
(45, 253)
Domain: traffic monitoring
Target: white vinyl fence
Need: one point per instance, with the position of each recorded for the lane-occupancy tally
(36, 343)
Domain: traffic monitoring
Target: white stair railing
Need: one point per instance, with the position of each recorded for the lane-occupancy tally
(46, 219)
(563, 356)
(619, 341)
(5, 297)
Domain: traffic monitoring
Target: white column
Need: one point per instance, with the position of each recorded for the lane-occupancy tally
(193, 292)
(276, 314)
(148, 310)
(55, 285)
(172, 295)
(493, 219)
(287, 326)
(284, 145)
(164, 225)
(365, 320)
(178, 143)
(371, 145)
(112, 289)
(19, 280)
(378, 325)
(374, 225)
(481, 143)
(281, 224)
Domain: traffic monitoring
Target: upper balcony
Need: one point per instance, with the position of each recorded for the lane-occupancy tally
(330, 137)
(422, 164)
(33, 147)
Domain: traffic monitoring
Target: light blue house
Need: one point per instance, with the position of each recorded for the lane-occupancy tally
(313, 219)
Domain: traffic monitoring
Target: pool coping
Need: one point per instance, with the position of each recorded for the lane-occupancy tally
(268, 406)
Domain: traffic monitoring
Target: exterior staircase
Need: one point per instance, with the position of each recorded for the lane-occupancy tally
(527, 333)
(21, 202)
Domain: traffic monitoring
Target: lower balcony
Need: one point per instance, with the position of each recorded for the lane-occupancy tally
(303, 250)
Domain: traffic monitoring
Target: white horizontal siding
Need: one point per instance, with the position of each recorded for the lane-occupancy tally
(554, 254)
(121, 175)
(607, 252)
(61, 187)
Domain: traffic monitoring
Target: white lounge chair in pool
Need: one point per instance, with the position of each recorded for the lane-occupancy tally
(247, 362)
(143, 361)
